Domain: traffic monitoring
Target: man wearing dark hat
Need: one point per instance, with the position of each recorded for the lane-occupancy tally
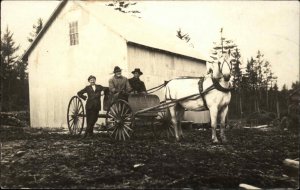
(93, 104)
(119, 86)
(137, 85)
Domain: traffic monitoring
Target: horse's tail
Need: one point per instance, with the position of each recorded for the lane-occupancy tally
(168, 94)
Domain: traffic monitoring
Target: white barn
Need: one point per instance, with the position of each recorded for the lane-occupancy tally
(86, 37)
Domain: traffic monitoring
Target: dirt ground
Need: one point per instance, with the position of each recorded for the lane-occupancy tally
(36, 158)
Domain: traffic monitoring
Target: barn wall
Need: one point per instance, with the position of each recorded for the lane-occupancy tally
(57, 70)
(159, 66)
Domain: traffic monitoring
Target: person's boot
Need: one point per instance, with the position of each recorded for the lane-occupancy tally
(86, 134)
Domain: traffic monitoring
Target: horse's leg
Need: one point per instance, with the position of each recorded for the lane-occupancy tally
(174, 120)
(214, 119)
(180, 113)
(223, 115)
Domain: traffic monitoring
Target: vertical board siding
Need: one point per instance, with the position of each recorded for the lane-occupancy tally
(159, 66)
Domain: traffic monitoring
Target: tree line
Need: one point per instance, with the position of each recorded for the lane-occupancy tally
(14, 76)
(255, 85)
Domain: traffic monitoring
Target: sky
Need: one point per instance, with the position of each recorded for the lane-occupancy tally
(269, 26)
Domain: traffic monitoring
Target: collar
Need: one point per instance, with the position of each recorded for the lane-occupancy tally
(118, 77)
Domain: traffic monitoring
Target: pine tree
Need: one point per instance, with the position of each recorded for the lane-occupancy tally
(36, 29)
(237, 79)
(224, 46)
(8, 65)
(251, 80)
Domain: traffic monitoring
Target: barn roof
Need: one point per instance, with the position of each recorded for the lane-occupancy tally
(131, 29)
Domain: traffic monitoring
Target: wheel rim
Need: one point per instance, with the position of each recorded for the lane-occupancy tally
(75, 117)
(120, 120)
(163, 125)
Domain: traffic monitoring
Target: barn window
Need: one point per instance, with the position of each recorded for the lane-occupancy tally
(73, 26)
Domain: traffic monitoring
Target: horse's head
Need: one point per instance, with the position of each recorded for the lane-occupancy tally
(223, 67)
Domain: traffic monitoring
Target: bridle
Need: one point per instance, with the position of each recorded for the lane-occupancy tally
(221, 65)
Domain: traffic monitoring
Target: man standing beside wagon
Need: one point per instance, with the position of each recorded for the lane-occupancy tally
(93, 104)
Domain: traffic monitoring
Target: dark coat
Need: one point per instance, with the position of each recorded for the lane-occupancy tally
(93, 100)
(137, 85)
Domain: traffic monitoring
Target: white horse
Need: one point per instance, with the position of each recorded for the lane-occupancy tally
(217, 97)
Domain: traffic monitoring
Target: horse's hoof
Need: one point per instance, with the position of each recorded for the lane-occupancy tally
(215, 141)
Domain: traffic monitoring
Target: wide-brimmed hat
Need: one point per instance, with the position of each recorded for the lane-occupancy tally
(117, 69)
(137, 70)
(90, 77)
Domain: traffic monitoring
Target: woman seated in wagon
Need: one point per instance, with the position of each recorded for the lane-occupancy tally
(135, 82)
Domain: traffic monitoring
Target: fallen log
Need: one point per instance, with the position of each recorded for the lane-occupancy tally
(246, 186)
(291, 163)
(14, 119)
(291, 168)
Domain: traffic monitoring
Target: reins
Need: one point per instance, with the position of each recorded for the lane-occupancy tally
(154, 89)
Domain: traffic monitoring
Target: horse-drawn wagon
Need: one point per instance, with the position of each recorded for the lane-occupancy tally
(166, 116)
(122, 115)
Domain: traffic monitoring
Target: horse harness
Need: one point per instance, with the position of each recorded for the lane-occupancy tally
(220, 65)
(216, 85)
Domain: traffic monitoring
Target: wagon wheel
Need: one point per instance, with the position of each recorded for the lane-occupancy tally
(75, 116)
(163, 126)
(120, 120)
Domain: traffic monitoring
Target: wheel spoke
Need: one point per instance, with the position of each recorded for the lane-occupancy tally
(77, 103)
(80, 109)
(119, 107)
(127, 123)
(74, 104)
(127, 111)
(113, 112)
(81, 113)
(70, 119)
(114, 131)
(123, 107)
(123, 135)
(110, 121)
(72, 123)
(113, 116)
(126, 132)
(75, 128)
(127, 127)
(127, 118)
